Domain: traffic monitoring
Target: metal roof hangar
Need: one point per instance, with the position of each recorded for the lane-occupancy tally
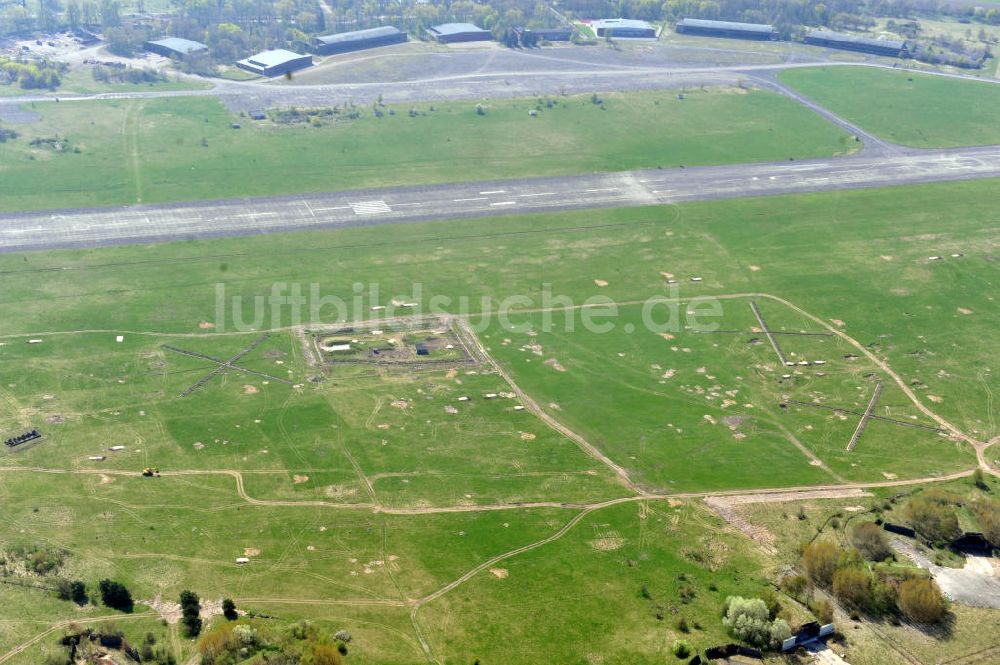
(358, 40)
(174, 47)
(275, 63)
(697, 26)
(449, 33)
(894, 48)
(623, 28)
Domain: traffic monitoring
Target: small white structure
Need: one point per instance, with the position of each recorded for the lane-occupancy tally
(340, 347)
(120, 338)
(242, 560)
(449, 346)
(696, 279)
(378, 308)
(376, 332)
(786, 376)
(463, 398)
(34, 341)
(519, 408)
(803, 362)
(933, 258)
(819, 362)
(490, 395)
(96, 458)
(117, 448)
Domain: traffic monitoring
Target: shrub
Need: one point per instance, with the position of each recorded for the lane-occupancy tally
(979, 480)
(74, 590)
(115, 595)
(853, 586)
(748, 620)
(682, 625)
(794, 585)
(869, 538)
(920, 600)
(933, 519)
(681, 648)
(229, 609)
(822, 610)
(989, 519)
(191, 613)
(820, 561)
(325, 654)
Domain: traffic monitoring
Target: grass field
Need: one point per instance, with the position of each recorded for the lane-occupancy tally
(355, 464)
(185, 149)
(905, 107)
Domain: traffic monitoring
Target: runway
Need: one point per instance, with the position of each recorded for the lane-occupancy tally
(157, 223)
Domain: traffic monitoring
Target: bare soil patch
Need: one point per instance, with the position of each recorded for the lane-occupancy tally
(298, 480)
(250, 390)
(205, 325)
(554, 364)
(499, 573)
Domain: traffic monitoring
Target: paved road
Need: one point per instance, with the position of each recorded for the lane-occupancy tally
(147, 223)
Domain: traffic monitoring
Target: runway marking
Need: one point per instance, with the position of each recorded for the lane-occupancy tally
(504, 203)
(256, 214)
(477, 198)
(370, 207)
(539, 194)
(332, 208)
(403, 205)
(494, 191)
(604, 189)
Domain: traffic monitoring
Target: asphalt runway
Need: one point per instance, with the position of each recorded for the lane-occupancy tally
(157, 223)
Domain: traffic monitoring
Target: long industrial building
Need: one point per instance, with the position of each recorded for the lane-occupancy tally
(358, 40)
(894, 48)
(706, 28)
(623, 28)
(275, 63)
(450, 33)
(547, 34)
(174, 47)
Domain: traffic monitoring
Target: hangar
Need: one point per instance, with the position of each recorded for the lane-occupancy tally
(174, 47)
(623, 28)
(358, 40)
(449, 33)
(275, 63)
(894, 48)
(697, 26)
(546, 34)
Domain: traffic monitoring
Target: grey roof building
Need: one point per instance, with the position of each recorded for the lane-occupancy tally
(448, 33)
(698, 26)
(358, 40)
(894, 48)
(275, 63)
(548, 34)
(623, 28)
(174, 47)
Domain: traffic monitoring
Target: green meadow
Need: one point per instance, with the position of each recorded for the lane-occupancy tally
(184, 148)
(905, 107)
(364, 491)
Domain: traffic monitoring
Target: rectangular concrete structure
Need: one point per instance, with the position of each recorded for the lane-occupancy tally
(275, 63)
(731, 29)
(547, 34)
(358, 40)
(449, 33)
(174, 47)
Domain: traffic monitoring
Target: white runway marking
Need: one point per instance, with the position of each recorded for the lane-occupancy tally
(370, 208)
(504, 203)
(603, 189)
(332, 208)
(539, 194)
(494, 191)
(477, 198)
(256, 214)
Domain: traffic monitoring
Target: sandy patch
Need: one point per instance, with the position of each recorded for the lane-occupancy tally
(667, 275)
(298, 480)
(600, 282)
(251, 551)
(198, 445)
(250, 390)
(527, 436)
(838, 322)
(340, 492)
(885, 257)
(56, 419)
(669, 373)
(450, 409)
(105, 479)
(607, 543)
(400, 404)
(554, 364)
(754, 268)
(666, 336)
(709, 418)
(205, 325)
(964, 310)
(499, 573)
(452, 373)
(889, 476)
(935, 399)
